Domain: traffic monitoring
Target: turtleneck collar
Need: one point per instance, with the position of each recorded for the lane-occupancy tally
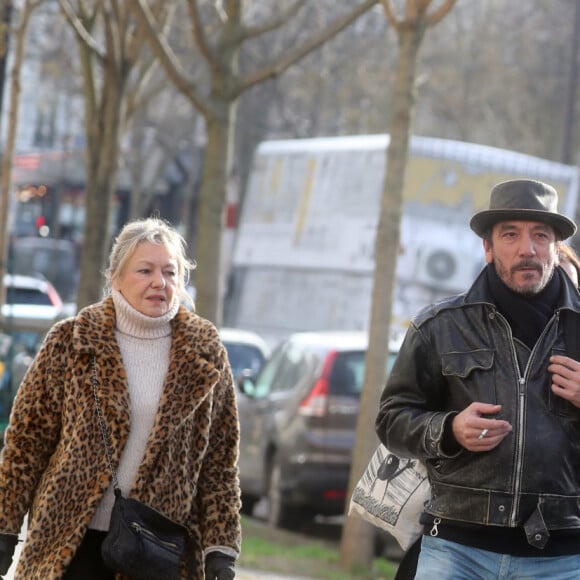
(133, 323)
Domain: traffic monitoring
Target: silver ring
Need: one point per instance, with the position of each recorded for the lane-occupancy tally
(483, 434)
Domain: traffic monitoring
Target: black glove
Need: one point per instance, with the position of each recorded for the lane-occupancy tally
(7, 545)
(219, 566)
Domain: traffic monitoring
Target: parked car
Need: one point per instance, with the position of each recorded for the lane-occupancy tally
(247, 351)
(31, 303)
(54, 260)
(298, 424)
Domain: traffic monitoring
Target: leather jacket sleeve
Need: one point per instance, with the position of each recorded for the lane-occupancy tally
(412, 419)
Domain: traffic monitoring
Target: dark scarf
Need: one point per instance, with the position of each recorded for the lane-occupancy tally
(527, 315)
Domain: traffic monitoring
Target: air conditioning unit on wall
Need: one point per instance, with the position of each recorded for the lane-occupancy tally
(444, 268)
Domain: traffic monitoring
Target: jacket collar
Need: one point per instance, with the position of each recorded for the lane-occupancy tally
(570, 296)
(94, 331)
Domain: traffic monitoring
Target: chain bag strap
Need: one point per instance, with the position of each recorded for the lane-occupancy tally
(102, 424)
(142, 543)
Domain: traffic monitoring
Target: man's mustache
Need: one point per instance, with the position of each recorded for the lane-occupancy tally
(527, 264)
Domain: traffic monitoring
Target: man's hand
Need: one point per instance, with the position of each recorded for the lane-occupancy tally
(219, 566)
(7, 545)
(475, 431)
(565, 378)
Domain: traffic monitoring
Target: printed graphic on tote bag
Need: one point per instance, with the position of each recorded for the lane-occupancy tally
(391, 494)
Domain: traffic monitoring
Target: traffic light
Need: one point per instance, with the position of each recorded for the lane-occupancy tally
(41, 226)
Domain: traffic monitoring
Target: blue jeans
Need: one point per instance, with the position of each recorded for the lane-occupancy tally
(445, 560)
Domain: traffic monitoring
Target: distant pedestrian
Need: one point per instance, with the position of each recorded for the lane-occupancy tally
(167, 397)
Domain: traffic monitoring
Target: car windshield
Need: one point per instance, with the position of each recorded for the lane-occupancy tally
(27, 296)
(347, 374)
(244, 357)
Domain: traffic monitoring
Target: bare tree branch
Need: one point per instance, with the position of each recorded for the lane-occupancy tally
(135, 36)
(134, 40)
(415, 9)
(168, 57)
(138, 97)
(440, 13)
(118, 13)
(278, 67)
(285, 16)
(199, 35)
(391, 18)
(111, 23)
(79, 28)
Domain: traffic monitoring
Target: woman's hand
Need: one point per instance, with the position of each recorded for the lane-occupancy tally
(219, 566)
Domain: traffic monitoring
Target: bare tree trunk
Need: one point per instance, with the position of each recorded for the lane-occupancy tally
(357, 537)
(100, 187)
(6, 9)
(102, 168)
(212, 201)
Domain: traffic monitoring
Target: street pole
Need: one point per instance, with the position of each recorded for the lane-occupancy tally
(5, 19)
(5, 23)
(569, 110)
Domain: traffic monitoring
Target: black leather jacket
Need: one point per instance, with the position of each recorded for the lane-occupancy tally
(460, 351)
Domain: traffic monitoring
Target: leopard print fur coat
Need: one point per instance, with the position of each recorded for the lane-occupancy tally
(53, 464)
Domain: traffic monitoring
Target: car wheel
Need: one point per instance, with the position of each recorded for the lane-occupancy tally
(279, 513)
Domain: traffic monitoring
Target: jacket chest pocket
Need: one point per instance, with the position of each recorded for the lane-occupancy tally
(557, 405)
(473, 370)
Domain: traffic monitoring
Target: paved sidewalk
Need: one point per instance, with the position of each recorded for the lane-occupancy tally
(242, 574)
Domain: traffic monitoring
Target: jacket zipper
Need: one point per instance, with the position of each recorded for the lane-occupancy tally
(139, 529)
(521, 416)
(519, 450)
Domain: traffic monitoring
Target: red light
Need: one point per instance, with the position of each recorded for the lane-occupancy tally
(315, 403)
(334, 494)
(40, 221)
(231, 216)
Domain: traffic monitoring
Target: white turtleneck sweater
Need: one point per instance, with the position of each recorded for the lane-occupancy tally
(144, 343)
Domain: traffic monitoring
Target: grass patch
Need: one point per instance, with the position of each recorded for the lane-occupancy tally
(282, 552)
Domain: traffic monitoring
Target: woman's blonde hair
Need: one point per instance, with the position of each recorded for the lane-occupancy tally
(156, 231)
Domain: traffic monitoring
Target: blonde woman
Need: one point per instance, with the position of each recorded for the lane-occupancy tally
(167, 399)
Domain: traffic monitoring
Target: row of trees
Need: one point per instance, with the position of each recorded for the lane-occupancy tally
(296, 69)
(120, 44)
(337, 65)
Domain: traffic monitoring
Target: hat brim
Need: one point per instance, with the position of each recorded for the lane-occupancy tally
(484, 220)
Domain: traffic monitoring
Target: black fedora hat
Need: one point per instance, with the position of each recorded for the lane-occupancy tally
(523, 200)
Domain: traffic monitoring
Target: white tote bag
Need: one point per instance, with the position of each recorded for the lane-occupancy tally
(391, 494)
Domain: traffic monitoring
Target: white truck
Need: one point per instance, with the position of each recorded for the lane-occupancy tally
(303, 254)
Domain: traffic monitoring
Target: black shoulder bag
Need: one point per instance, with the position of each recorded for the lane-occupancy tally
(142, 543)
